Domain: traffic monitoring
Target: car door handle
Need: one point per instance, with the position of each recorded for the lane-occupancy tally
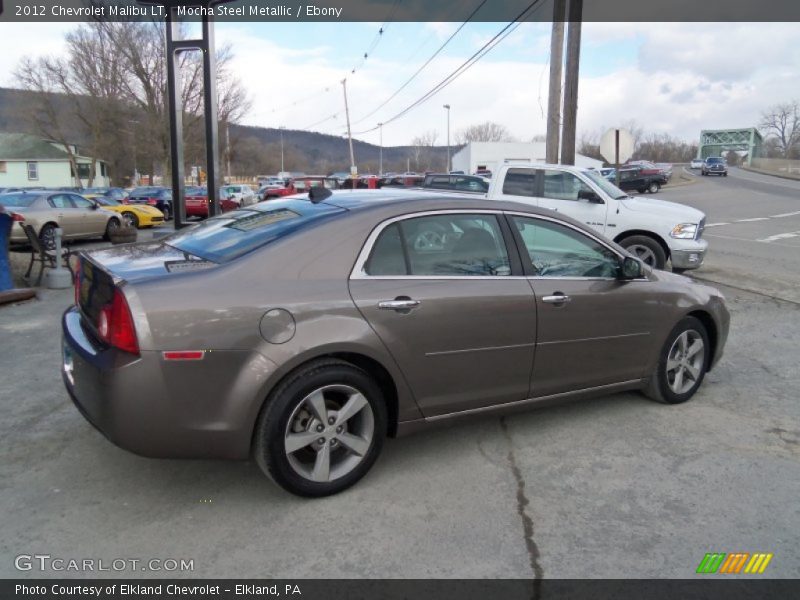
(557, 298)
(399, 304)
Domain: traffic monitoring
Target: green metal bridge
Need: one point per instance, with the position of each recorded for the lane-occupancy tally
(713, 142)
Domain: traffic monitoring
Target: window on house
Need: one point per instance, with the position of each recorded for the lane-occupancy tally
(33, 171)
(3, 168)
(84, 170)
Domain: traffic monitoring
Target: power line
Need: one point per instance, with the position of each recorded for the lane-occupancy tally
(370, 49)
(425, 64)
(485, 49)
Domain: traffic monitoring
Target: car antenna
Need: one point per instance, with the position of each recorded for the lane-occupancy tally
(318, 194)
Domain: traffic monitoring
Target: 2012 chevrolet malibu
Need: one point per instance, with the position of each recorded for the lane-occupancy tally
(304, 331)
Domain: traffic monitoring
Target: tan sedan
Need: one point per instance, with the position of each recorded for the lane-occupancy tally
(77, 216)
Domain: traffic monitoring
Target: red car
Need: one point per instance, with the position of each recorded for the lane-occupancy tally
(197, 202)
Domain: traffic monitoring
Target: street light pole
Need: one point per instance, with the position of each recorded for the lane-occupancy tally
(447, 106)
(380, 159)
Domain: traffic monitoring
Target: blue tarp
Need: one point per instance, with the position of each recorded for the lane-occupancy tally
(6, 282)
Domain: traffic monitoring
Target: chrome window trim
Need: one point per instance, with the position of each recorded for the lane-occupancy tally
(358, 269)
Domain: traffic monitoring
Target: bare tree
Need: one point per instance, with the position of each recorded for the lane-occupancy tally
(484, 132)
(782, 122)
(421, 149)
(114, 78)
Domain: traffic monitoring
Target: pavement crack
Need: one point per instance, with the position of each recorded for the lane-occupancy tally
(527, 522)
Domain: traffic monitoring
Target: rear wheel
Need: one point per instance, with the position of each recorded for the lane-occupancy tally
(682, 364)
(646, 249)
(130, 219)
(47, 236)
(653, 187)
(112, 225)
(321, 429)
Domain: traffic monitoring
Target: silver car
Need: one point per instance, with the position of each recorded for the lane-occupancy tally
(78, 217)
(303, 332)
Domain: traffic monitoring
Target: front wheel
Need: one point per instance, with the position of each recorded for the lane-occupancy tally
(321, 429)
(653, 187)
(646, 249)
(682, 364)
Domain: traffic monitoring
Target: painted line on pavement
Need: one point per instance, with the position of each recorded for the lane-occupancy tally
(715, 224)
(741, 239)
(780, 236)
(791, 214)
(753, 219)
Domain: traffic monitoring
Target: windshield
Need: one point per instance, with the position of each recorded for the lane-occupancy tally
(605, 185)
(17, 199)
(713, 161)
(106, 201)
(229, 236)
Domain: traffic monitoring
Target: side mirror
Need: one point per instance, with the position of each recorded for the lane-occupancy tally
(591, 196)
(631, 268)
(95, 205)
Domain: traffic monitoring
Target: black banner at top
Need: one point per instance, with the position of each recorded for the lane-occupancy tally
(399, 10)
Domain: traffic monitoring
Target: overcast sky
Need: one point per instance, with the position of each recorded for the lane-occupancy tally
(676, 78)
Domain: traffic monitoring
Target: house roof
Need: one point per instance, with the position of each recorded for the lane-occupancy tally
(19, 146)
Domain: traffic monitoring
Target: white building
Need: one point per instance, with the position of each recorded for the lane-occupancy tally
(490, 156)
(30, 161)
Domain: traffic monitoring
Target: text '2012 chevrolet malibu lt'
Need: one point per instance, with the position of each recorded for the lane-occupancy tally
(304, 331)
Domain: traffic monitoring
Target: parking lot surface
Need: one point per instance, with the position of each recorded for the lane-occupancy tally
(613, 487)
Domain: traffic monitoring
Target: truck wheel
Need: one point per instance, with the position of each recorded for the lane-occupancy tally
(653, 187)
(646, 249)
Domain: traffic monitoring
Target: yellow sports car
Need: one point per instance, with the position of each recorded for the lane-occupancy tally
(136, 215)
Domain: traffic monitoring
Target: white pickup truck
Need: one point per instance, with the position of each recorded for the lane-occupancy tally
(656, 231)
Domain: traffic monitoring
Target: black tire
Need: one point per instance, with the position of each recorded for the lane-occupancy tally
(273, 422)
(659, 387)
(724, 174)
(131, 219)
(113, 223)
(679, 271)
(653, 187)
(654, 256)
(47, 235)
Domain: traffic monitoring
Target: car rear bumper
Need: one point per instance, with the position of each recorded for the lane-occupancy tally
(157, 408)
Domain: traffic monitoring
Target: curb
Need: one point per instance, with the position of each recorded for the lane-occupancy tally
(771, 173)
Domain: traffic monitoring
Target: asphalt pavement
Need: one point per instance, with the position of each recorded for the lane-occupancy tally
(752, 227)
(617, 487)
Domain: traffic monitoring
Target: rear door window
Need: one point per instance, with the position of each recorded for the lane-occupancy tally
(520, 182)
(448, 245)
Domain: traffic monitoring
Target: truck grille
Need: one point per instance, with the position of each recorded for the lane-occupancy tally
(700, 228)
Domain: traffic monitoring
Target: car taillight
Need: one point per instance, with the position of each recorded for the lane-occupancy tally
(17, 217)
(152, 201)
(115, 324)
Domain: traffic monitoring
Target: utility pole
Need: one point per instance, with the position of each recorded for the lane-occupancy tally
(353, 168)
(282, 128)
(554, 96)
(571, 83)
(228, 150)
(447, 106)
(380, 155)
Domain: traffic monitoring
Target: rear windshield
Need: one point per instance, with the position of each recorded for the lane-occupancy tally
(143, 191)
(17, 199)
(229, 236)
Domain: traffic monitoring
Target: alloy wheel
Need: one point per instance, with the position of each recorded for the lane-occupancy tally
(329, 433)
(643, 253)
(685, 361)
